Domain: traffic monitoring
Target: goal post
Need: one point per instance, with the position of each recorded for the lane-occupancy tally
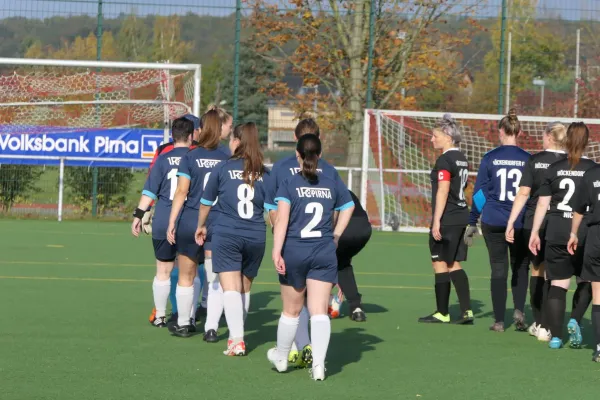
(398, 157)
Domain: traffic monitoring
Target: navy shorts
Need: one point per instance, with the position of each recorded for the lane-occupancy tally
(309, 260)
(184, 236)
(208, 241)
(163, 250)
(235, 253)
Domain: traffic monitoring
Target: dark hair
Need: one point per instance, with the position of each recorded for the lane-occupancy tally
(181, 129)
(309, 148)
(307, 125)
(578, 135)
(210, 137)
(249, 151)
(510, 123)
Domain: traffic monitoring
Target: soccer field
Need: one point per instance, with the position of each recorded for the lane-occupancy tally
(77, 295)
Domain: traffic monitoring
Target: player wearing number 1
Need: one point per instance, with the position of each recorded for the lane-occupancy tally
(160, 186)
(495, 190)
(450, 216)
(238, 234)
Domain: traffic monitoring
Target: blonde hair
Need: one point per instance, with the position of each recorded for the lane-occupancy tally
(223, 115)
(558, 132)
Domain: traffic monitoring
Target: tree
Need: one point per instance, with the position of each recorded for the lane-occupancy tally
(409, 52)
(133, 39)
(113, 185)
(167, 44)
(17, 182)
(79, 49)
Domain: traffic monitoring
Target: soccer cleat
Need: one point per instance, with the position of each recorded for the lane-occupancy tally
(465, 319)
(358, 315)
(435, 318)
(318, 373)
(235, 349)
(334, 307)
(307, 357)
(301, 359)
(497, 327)
(543, 334)
(159, 322)
(184, 331)
(294, 357)
(152, 316)
(280, 365)
(596, 356)
(211, 336)
(533, 329)
(519, 320)
(555, 343)
(575, 337)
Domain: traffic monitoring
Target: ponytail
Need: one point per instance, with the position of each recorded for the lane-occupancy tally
(249, 150)
(309, 149)
(578, 135)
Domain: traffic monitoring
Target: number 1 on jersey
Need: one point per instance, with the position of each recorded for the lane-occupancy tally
(172, 177)
(316, 209)
(464, 176)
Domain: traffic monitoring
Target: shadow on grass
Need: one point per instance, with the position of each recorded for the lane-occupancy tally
(347, 347)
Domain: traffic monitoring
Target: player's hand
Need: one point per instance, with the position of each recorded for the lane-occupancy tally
(136, 226)
(336, 240)
(469, 233)
(200, 235)
(171, 233)
(279, 263)
(435, 231)
(509, 235)
(147, 222)
(572, 245)
(534, 243)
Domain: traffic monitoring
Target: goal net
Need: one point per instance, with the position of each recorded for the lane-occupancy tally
(398, 157)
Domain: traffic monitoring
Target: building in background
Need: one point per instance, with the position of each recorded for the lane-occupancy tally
(281, 123)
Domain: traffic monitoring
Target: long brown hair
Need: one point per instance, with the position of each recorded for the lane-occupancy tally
(249, 151)
(210, 137)
(307, 125)
(223, 114)
(510, 123)
(309, 148)
(578, 135)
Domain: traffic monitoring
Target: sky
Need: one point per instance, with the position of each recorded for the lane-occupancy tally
(566, 9)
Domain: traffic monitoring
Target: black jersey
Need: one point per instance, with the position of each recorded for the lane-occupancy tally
(587, 196)
(533, 177)
(561, 182)
(451, 166)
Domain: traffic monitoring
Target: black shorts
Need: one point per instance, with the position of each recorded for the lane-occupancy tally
(451, 248)
(163, 250)
(353, 240)
(560, 264)
(538, 259)
(591, 255)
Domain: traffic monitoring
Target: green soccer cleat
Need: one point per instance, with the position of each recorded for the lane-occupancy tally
(435, 318)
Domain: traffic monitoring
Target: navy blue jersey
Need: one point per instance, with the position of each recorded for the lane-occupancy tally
(196, 166)
(289, 166)
(497, 185)
(161, 185)
(224, 148)
(241, 207)
(312, 205)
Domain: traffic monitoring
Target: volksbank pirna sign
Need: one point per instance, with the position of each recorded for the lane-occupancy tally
(114, 146)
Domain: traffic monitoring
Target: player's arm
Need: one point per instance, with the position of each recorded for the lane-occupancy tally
(145, 201)
(279, 232)
(520, 200)
(344, 208)
(581, 201)
(538, 218)
(209, 197)
(183, 188)
(480, 191)
(270, 205)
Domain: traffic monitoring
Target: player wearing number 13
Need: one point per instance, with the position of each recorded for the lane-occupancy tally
(497, 184)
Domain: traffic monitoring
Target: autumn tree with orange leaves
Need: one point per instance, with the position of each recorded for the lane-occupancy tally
(326, 43)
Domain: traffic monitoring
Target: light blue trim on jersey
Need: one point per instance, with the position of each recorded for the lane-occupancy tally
(479, 200)
(206, 202)
(282, 199)
(345, 206)
(184, 175)
(270, 207)
(149, 194)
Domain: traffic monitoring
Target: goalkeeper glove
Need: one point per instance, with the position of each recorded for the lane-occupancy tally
(147, 221)
(469, 233)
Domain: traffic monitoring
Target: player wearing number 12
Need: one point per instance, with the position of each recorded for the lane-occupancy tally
(495, 191)
(238, 234)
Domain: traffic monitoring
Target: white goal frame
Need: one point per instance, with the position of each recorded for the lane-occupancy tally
(371, 164)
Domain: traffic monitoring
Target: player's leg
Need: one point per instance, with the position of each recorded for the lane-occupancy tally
(582, 296)
(201, 308)
(559, 270)
(185, 295)
(172, 297)
(165, 255)
(536, 282)
(293, 301)
(441, 283)
(234, 311)
(519, 263)
(596, 319)
(214, 301)
(497, 247)
(456, 253)
(317, 301)
(252, 256)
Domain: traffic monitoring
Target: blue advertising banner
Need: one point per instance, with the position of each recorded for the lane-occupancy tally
(116, 147)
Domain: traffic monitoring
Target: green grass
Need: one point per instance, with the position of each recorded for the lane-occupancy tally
(76, 298)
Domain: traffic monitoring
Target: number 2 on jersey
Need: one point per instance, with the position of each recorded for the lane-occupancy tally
(316, 209)
(569, 184)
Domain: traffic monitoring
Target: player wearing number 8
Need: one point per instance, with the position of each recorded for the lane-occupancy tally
(238, 234)
(495, 190)
(160, 185)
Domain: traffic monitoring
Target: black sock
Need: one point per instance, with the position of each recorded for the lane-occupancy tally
(596, 324)
(536, 295)
(581, 300)
(442, 292)
(546, 290)
(499, 293)
(518, 286)
(557, 304)
(347, 282)
(461, 285)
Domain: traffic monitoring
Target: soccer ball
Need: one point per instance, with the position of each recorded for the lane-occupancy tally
(334, 307)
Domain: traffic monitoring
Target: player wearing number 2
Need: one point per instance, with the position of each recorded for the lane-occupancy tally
(193, 172)
(495, 190)
(450, 216)
(238, 235)
(160, 186)
(556, 199)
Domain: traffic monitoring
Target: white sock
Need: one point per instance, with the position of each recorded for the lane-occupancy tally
(184, 297)
(302, 337)
(161, 290)
(195, 297)
(320, 334)
(246, 302)
(214, 308)
(286, 331)
(204, 292)
(234, 313)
